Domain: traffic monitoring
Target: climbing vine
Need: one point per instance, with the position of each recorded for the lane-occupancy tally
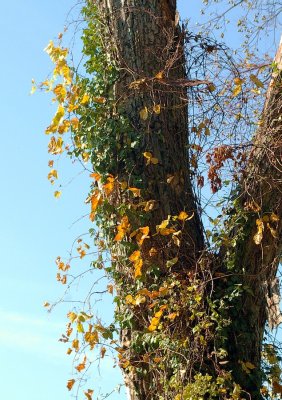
(173, 323)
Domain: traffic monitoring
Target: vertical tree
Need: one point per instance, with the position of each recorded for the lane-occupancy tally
(192, 316)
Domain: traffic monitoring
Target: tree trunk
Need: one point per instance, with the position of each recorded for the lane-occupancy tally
(258, 262)
(147, 44)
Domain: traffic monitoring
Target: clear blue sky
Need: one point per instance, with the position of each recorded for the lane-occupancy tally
(35, 227)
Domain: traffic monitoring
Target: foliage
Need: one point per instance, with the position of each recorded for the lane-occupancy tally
(178, 322)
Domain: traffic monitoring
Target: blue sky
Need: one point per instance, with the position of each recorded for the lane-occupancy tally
(35, 227)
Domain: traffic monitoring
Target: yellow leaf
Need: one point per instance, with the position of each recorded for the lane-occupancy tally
(53, 173)
(135, 256)
(96, 200)
(129, 299)
(55, 146)
(138, 268)
(274, 218)
(46, 304)
(122, 229)
(72, 316)
(172, 316)
(256, 81)
(80, 328)
(144, 114)
(70, 384)
(153, 252)
(249, 365)
(60, 92)
(142, 235)
(259, 234)
(159, 75)
(136, 192)
(57, 194)
(140, 299)
(74, 123)
(157, 108)
(123, 185)
(75, 344)
(183, 216)
(100, 100)
(239, 81)
(64, 127)
(149, 206)
(110, 289)
(273, 231)
(150, 158)
(154, 160)
(237, 90)
(85, 99)
(171, 262)
(58, 116)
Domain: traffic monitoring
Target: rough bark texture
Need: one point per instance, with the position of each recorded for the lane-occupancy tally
(259, 262)
(147, 41)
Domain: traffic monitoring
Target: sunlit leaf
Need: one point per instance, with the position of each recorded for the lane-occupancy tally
(256, 81)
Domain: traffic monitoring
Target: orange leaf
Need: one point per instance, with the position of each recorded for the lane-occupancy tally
(95, 176)
(89, 394)
(70, 383)
(122, 229)
(135, 256)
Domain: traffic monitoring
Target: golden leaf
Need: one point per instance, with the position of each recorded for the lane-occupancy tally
(183, 216)
(96, 200)
(135, 256)
(142, 235)
(238, 81)
(100, 100)
(144, 114)
(140, 299)
(154, 160)
(46, 304)
(136, 192)
(75, 344)
(256, 81)
(122, 229)
(57, 194)
(85, 99)
(110, 289)
(129, 299)
(237, 90)
(80, 328)
(138, 268)
(153, 252)
(157, 108)
(95, 176)
(159, 75)
(72, 316)
(259, 234)
(274, 218)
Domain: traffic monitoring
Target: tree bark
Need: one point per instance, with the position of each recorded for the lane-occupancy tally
(148, 46)
(258, 263)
